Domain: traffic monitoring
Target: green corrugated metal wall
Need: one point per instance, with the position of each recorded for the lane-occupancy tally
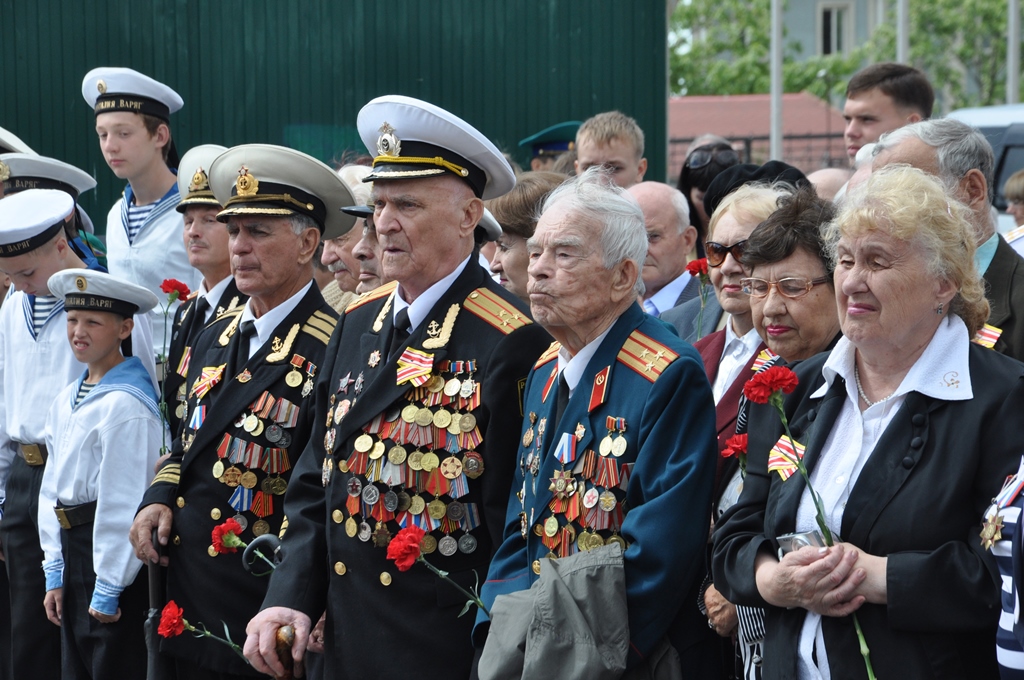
(296, 72)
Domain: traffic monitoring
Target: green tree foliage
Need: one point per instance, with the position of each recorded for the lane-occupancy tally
(722, 47)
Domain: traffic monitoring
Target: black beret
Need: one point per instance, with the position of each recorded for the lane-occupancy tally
(731, 179)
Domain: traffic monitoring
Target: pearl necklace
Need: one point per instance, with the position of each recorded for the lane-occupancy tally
(860, 390)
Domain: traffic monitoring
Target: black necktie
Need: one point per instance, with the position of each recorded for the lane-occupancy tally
(245, 331)
(400, 333)
(196, 322)
(562, 399)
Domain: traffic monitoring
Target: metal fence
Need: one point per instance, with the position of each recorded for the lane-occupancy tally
(808, 152)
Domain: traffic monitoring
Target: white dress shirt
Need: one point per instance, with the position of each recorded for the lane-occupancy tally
(737, 352)
(422, 305)
(266, 324)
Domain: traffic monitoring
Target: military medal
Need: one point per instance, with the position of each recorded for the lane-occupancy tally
(250, 423)
(468, 422)
(551, 526)
(242, 521)
(278, 485)
(606, 501)
(329, 438)
(590, 498)
(467, 544)
(456, 511)
(397, 454)
(248, 479)
(365, 532)
(285, 441)
(232, 476)
(180, 411)
(447, 546)
(381, 536)
(358, 386)
(619, 444)
(294, 377)
(260, 527)
(615, 538)
(451, 467)
(437, 508)
(390, 501)
(354, 487)
(259, 428)
(453, 386)
(430, 461)
(472, 464)
(244, 377)
(528, 435)
(404, 501)
(416, 460)
(273, 433)
(218, 469)
(364, 443)
(436, 384)
(424, 417)
(409, 413)
(442, 419)
(374, 358)
(428, 544)
(417, 505)
(455, 426)
(343, 383)
(341, 409)
(310, 371)
(328, 468)
(371, 494)
(377, 451)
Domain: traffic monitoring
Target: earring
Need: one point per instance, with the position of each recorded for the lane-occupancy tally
(938, 310)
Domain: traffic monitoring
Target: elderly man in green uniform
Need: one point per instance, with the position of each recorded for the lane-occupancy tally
(248, 415)
(427, 370)
(618, 447)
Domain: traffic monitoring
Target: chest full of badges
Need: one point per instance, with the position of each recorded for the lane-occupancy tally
(412, 464)
(577, 500)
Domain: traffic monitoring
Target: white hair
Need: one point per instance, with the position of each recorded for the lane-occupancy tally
(594, 197)
(301, 223)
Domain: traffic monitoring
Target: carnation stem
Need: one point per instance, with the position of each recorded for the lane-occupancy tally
(444, 574)
(819, 516)
(203, 632)
(700, 314)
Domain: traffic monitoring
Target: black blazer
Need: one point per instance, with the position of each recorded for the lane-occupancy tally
(918, 501)
(1004, 288)
(185, 331)
(215, 588)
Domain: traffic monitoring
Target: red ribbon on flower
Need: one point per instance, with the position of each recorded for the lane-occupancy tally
(404, 548)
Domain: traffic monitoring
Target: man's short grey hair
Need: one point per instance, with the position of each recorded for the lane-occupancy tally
(593, 196)
(301, 223)
(682, 209)
(958, 147)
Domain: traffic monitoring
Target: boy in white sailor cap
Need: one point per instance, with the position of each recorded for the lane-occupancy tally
(206, 243)
(35, 364)
(103, 432)
(445, 316)
(143, 231)
(21, 171)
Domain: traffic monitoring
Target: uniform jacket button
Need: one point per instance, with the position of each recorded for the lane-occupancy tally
(918, 419)
(916, 443)
(340, 568)
(908, 462)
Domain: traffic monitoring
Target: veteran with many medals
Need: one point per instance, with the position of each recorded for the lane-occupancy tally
(618, 444)
(248, 414)
(417, 414)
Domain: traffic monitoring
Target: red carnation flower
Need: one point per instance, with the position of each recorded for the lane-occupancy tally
(735, 445)
(763, 385)
(225, 537)
(172, 620)
(175, 289)
(698, 267)
(404, 548)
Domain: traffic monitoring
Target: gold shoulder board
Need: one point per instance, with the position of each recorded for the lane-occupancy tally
(495, 310)
(320, 326)
(549, 354)
(375, 294)
(646, 356)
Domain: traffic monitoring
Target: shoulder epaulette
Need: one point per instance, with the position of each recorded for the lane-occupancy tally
(320, 326)
(495, 310)
(191, 296)
(1012, 236)
(646, 356)
(370, 296)
(549, 354)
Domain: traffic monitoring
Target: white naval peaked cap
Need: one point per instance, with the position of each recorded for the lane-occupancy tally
(21, 171)
(490, 225)
(11, 143)
(30, 218)
(101, 292)
(411, 138)
(111, 88)
(194, 176)
(264, 179)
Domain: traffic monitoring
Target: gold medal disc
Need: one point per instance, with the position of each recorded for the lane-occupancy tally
(293, 379)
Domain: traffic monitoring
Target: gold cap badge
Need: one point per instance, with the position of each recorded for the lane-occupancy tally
(388, 144)
(246, 184)
(5, 172)
(80, 283)
(101, 86)
(199, 181)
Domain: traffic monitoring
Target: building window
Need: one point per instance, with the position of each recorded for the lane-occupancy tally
(834, 28)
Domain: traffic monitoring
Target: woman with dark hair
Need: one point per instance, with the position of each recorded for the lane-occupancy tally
(517, 213)
(703, 164)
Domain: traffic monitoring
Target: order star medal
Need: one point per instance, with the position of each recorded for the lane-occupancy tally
(374, 358)
(991, 530)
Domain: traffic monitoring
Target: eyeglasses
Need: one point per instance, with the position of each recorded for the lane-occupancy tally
(794, 287)
(716, 252)
(704, 155)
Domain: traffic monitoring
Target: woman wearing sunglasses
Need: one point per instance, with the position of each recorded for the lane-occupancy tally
(701, 166)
